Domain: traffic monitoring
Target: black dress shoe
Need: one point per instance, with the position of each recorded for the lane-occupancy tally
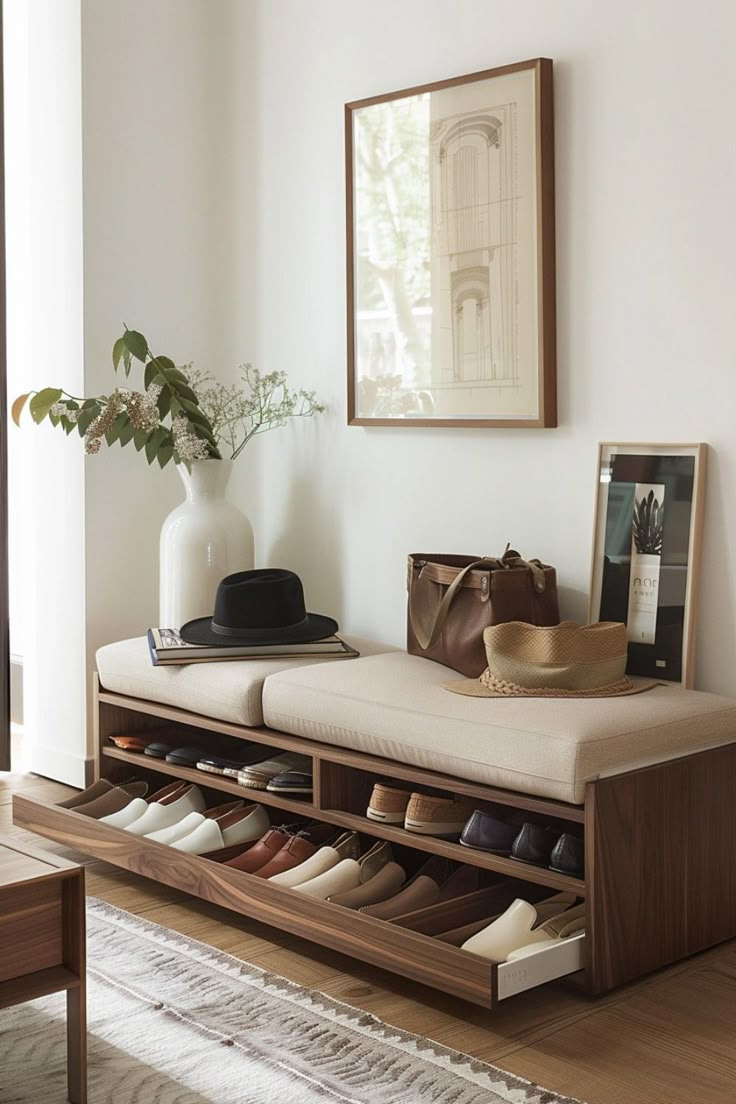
(568, 856)
(158, 750)
(231, 761)
(293, 781)
(534, 845)
(186, 756)
(488, 833)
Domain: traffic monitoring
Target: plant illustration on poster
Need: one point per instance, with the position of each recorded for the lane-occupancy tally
(451, 252)
(646, 552)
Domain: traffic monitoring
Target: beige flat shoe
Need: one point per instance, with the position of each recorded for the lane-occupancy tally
(347, 875)
(517, 927)
(345, 846)
(571, 922)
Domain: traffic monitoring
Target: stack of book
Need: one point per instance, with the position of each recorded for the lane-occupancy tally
(167, 647)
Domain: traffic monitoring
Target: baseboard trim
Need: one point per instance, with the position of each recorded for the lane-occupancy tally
(73, 770)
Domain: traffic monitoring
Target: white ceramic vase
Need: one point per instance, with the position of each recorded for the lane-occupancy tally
(202, 540)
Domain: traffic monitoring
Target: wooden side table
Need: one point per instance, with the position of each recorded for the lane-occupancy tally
(42, 943)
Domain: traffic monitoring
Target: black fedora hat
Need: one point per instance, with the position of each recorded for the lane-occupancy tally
(265, 606)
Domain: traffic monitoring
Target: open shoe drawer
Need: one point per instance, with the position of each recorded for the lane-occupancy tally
(395, 947)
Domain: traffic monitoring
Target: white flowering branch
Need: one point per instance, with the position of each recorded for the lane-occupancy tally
(179, 415)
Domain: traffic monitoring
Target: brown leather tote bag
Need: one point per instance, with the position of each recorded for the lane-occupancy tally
(452, 599)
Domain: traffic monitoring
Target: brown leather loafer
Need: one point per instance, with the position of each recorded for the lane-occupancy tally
(135, 742)
(296, 849)
(260, 853)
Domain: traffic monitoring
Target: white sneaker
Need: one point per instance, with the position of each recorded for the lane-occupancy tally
(177, 831)
(126, 816)
(191, 821)
(138, 806)
(517, 927)
(159, 816)
(240, 826)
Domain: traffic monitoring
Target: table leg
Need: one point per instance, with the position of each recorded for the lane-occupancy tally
(76, 1045)
(75, 959)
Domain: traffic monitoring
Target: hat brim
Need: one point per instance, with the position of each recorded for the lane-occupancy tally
(474, 688)
(313, 628)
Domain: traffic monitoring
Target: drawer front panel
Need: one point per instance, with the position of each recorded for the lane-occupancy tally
(565, 957)
(393, 948)
(30, 928)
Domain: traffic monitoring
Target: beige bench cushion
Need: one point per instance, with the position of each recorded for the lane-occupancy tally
(394, 706)
(225, 691)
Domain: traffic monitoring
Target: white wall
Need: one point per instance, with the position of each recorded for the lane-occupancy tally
(159, 212)
(44, 213)
(214, 207)
(646, 175)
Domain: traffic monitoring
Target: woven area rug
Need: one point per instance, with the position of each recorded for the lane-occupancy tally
(172, 1021)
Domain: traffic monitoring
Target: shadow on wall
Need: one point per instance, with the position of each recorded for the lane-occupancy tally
(310, 543)
(573, 604)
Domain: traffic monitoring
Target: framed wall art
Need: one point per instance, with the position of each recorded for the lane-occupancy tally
(451, 252)
(646, 552)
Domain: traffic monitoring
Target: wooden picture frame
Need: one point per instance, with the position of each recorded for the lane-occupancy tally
(450, 202)
(653, 523)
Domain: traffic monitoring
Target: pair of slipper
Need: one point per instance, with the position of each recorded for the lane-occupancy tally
(157, 749)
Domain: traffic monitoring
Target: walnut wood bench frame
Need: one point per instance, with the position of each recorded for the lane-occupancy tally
(660, 880)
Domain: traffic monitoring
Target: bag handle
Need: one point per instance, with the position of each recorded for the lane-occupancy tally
(510, 559)
(428, 640)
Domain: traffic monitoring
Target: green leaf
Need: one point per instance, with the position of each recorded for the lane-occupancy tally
(139, 439)
(136, 344)
(116, 428)
(126, 434)
(164, 403)
(150, 374)
(88, 415)
(155, 441)
(118, 350)
(193, 412)
(54, 419)
(68, 424)
(164, 454)
(164, 364)
(177, 374)
(184, 391)
(42, 402)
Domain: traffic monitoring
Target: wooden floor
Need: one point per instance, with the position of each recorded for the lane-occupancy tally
(670, 1039)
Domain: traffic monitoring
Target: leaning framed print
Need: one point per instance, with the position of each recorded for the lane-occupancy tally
(646, 552)
(451, 252)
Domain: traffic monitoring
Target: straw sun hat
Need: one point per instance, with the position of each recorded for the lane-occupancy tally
(563, 661)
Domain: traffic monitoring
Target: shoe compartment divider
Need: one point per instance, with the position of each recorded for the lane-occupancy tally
(481, 905)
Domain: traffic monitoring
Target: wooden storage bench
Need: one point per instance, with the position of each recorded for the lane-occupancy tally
(660, 877)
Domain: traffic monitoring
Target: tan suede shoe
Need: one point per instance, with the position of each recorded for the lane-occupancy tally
(437, 816)
(380, 878)
(112, 801)
(388, 804)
